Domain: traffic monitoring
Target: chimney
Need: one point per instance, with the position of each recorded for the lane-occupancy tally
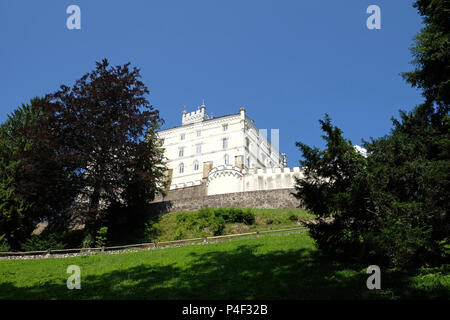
(242, 112)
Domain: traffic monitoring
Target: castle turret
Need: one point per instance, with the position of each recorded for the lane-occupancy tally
(194, 116)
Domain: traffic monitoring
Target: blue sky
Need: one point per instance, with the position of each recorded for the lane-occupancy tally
(286, 62)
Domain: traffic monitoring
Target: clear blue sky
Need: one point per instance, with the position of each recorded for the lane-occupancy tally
(287, 62)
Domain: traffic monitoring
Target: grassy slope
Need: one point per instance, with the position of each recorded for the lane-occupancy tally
(268, 267)
(168, 228)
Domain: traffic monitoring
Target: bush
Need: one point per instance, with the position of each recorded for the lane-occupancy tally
(235, 215)
(101, 237)
(72, 238)
(178, 234)
(88, 241)
(151, 231)
(42, 242)
(211, 221)
(293, 217)
(4, 246)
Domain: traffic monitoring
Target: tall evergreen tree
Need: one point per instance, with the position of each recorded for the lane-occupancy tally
(335, 189)
(401, 217)
(431, 52)
(409, 168)
(16, 211)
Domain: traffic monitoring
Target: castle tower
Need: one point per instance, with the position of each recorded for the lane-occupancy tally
(194, 116)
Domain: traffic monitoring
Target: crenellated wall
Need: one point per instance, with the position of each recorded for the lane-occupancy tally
(229, 179)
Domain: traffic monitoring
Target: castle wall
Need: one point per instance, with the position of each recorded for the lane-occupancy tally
(185, 200)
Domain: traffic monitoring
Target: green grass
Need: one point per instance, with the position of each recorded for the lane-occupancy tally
(267, 267)
(169, 227)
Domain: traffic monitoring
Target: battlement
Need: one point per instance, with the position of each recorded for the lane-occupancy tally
(231, 179)
(256, 171)
(184, 185)
(194, 116)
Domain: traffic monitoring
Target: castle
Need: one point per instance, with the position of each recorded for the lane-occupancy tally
(226, 154)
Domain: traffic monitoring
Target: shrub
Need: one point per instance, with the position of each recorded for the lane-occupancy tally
(210, 221)
(248, 217)
(4, 246)
(88, 241)
(42, 242)
(235, 215)
(178, 234)
(101, 237)
(151, 231)
(72, 238)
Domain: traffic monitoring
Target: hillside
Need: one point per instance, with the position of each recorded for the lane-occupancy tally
(266, 267)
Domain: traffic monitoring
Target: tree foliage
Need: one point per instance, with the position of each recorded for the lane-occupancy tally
(431, 52)
(97, 130)
(335, 188)
(78, 152)
(17, 212)
(392, 207)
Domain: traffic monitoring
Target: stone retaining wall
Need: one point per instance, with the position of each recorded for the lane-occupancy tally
(194, 198)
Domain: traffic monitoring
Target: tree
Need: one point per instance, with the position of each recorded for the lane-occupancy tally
(16, 211)
(335, 188)
(431, 52)
(401, 217)
(409, 177)
(96, 130)
(409, 168)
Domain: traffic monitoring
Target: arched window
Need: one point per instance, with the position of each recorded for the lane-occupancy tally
(196, 165)
(226, 159)
(181, 168)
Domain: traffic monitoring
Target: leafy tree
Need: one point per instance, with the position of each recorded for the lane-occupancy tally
(96, 130)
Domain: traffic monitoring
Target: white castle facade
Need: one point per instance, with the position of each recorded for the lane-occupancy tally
(228, 154)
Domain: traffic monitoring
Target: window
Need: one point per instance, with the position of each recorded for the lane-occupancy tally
(198, 149)
(199, 133)
(247, 142)
(225, 127)
(225, 144)
(181, 152)
(181, 168)
(226, 159)
(182, 136)
(196, 166)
